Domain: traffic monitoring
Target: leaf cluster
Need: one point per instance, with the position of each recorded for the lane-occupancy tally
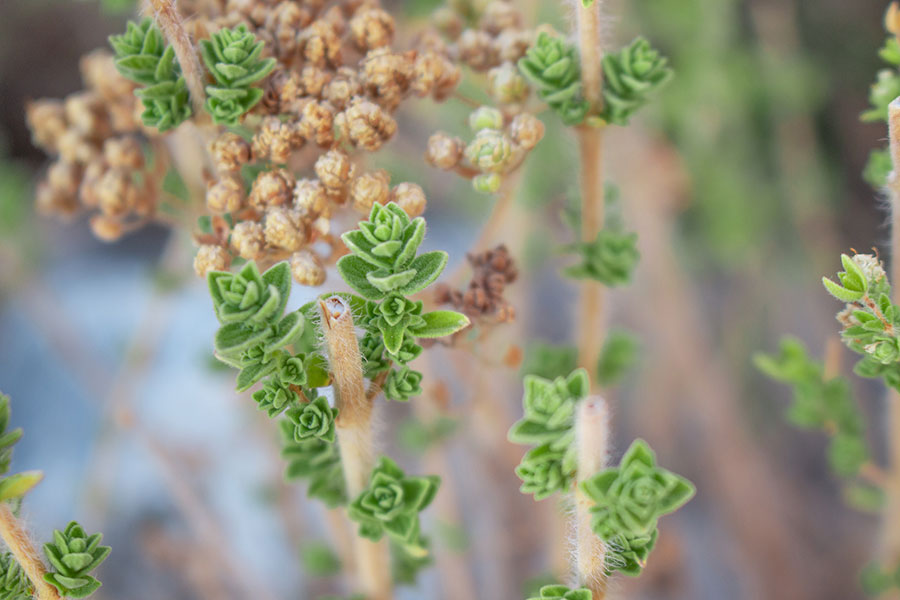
(233, 58)
(12, 487)
(549, 420)
(384, 267)
(628, 502)
(609, 259)
(630, 78)
(73, 555)
(561, 592)
(885, 89)
(14, 584)
(143, 56)
(551, 64)
(316, 461)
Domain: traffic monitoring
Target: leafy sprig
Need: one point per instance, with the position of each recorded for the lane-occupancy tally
(610, 258)
(561, 592)
(551, 64)
(73, 555)
(143, 56)
(630, 78)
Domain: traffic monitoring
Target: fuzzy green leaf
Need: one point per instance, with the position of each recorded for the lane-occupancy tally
(16, 486)
(440, 323)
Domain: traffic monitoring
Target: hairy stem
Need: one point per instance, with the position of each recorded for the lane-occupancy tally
(592, 440)
(891, 518)
(354, 431)
(590, 141)
(169, 21)
(16, 538)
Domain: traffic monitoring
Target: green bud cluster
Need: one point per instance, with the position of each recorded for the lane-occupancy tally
(73, 555)
(610, 258)
(143, 56)
(551, 64)
(630, 78)
(233, 58)
(628, 502)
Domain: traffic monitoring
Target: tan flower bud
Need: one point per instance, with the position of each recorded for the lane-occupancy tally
(511, 45)
(230, 152)
(74, 147)
(106, 228)
(284, 20)
(64, 177)
(333, 169)
(276, 139)
(340, 90)
(372, 28)
(117, 192)
(47, 121)
(490, 151)
(369, 189)
(310, 199)
(90, 180)
(283, 229)
(248, 240)
(448, 21)
(86, 112)
(314, 80)
(321, 44)
(435, 74)
(499, 16)
(98, 70)
(307, 268)
(369, 125)
(317, 123)
(211, 258)
(386, 75)
(51, 201)
(335, 16)
(476, 49)
(226, 195)
(272, 188)
(288, 87)
(444, 151)
(124, 151)
(410, 197)
(526, 130)
(506, 85)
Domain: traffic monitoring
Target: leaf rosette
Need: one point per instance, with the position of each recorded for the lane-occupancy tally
(313, 419)
(73, 555)
(248, 297)
(552, 66)
(402, 384)
(275, 397)
(630, 77)
(545, 470)
(549, 407)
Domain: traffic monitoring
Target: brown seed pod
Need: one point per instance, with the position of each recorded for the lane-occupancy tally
(307, 268)
(248, 240)
(283, 229)
(317, 123)
(55, 202)
(476, 49)
(444, 151)
(321, 44)
(499, 16)
(310, 199)
(314, 79)
(86, 112)
(511, 45)
(368, 125)
(333, 169)
(434, 74)
(123, 151)
(372, 28)
(230, 152)
(276, 139)
(116, 192)
(106, 228)
(272, 188)
(410, 197)
(211, 258)
(226, 195)
(342, 88)
(526, 130)
(99, 73)
(75, 147)
(47, 122)
(64, 177)
(369, 189)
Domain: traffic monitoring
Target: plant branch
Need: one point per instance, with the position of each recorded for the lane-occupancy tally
(354, 431)
(592, 441)
(17, 539)
(169, 21)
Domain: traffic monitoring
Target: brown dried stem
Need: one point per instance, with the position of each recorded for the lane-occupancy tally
(19, 542)
(354, 431)
(592, 442)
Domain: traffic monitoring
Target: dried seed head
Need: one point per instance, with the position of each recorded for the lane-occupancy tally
(52, 201)
(321, 44)
(476, 49)
(333, 169)
(410, 197)
(226, 195)
(369, 125)
(310, 199)
(86, 112)
(117, 193)
(444, 151)
(64, 177)
(500, 16)
(284, 20)
(75, 147)
(276, 139)
(106, 228)
(434, 74)
(307, 268)
(489, 151)
(372, 28)
(288, 86)
(448, 21)
(369, 189)
(335, 16)
(314, 79)
(340, 90)
(526, 130)
(98, 70)
(248, 240)
(87, 193)
(211, 258)
(47, 121)
(124, 151)
(506, 85)
(386, 75)
(272, 188)
(230, 152)
(283, 229)
(317, 123)
(511, 45)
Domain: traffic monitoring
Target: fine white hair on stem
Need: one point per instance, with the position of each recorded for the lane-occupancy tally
(165, 13)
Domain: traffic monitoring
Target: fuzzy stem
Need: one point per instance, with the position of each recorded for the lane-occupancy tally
(592, 440)
(169, 21)
(891, 518)
(16, 537)
(354, 431)
(590, 139)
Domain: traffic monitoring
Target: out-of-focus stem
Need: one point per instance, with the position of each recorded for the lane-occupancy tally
(19, 543)
(166, 15)
(354, 431)
(592, 440)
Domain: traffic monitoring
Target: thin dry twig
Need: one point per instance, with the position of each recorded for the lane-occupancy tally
(19, 543)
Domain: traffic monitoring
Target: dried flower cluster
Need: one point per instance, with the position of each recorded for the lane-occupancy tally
(99, 145)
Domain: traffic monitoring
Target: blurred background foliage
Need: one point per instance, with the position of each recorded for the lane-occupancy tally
(744, 183)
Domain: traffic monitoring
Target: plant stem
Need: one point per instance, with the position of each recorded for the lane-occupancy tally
(354, 431)
(592, 440)
(590, 323)
(16, 537)
(891, 517)
(169, 21)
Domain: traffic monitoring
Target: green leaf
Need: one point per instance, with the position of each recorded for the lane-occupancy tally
(841, 293)
(440, 323)
(16, 486)
(250, 375)
(428, 267)
(354, 271)
(234, 338)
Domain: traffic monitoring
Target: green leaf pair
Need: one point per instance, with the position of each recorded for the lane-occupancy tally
(861, 273)
(233, 58)
(391, 505)
(630, 78)
(628, 502)
(552, 66)
(73, 555)
(609, 259)
(143, 57)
